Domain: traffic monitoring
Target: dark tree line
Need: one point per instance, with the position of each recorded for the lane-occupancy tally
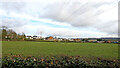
(9, 34)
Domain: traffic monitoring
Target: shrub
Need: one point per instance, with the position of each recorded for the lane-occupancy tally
(55, 62)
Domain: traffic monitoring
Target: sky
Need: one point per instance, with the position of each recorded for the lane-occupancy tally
(61, 18)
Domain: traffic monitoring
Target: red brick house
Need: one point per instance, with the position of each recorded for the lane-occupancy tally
(49, 38)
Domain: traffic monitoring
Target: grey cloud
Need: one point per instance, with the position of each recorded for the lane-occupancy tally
(13, 6)
(75, 13)
(80, 15)
(11, 23)
(110, 27)
(18, 25)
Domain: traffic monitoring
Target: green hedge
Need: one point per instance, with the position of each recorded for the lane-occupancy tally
(55, 62)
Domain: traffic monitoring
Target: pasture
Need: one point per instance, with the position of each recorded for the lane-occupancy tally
(27, 48)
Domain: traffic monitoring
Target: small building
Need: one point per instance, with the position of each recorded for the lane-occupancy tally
(100, 41)
(49, 38)
(111, 40)
(77, 40)
(29, 37)
(94, 40)
(59, 39)
(71, 40)
(35, 37)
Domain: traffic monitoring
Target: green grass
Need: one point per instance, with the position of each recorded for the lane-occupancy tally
(56, 48)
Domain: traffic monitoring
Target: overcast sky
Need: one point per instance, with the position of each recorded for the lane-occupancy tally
(62, 18)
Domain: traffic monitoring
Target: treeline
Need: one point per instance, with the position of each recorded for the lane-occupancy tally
(10, 35)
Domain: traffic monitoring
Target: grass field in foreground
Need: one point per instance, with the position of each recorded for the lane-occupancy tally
(56, 48)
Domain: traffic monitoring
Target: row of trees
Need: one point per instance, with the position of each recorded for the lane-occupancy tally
(9, 34)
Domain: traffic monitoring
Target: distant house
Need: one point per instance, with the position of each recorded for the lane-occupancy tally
(64, 39)
(111, 40)
(35, 37)
(71, 40)
(49, 38)
(29, 37)
(92, 40)
(100, 41)
(59, 39)
(77, 40)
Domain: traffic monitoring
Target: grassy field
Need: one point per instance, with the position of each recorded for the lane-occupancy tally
(56, 48)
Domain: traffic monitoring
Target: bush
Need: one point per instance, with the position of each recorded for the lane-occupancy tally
(55, 62)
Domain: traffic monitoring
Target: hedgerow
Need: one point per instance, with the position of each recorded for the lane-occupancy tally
(55, 62)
